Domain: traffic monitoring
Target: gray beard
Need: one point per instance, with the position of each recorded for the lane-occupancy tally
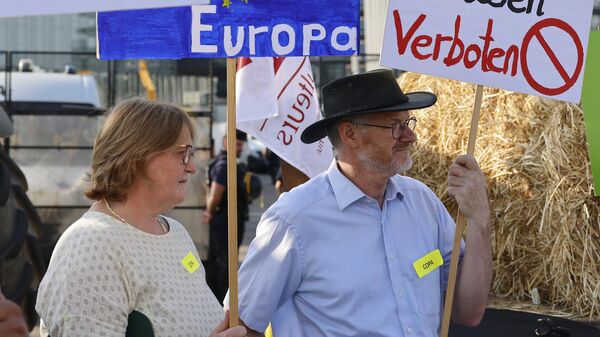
(390, 168)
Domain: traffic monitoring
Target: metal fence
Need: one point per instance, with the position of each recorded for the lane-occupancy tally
(53, 149)
(118, 79)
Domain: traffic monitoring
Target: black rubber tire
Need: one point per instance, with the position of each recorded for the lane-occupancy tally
(16, 174)
(35, 256)
(24, 202)
(4, 184)
(28, 307)
(19, 233)
(18, 293)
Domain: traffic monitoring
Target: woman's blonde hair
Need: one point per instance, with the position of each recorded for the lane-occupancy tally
(134, 129)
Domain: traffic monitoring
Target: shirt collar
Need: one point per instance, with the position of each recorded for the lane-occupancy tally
(392, 190)
(346, 192)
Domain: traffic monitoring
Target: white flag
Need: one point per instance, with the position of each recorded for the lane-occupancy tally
(255, 95)
(296, 107)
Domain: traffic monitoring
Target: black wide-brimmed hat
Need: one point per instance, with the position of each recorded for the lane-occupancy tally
(370, 92)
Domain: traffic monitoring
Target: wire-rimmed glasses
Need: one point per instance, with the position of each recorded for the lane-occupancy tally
(190, 150)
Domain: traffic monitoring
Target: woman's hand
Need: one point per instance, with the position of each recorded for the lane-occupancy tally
(12, 323)
(223, 330)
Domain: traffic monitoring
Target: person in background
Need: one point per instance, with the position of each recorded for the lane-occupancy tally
(361, 250)
(273, 164)
(279, 182)
(122, 256)
(216, 215)
(12, 323)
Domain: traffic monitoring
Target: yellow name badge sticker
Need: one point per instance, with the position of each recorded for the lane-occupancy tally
(428, 263)
(190, 263)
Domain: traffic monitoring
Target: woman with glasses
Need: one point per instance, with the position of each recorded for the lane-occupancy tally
(122, 257)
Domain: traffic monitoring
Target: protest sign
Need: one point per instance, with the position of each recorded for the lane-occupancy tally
(530, 46)
(259, 28)
(590, 101)
(40, 7)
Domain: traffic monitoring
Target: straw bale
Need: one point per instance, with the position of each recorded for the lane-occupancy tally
(546, 231)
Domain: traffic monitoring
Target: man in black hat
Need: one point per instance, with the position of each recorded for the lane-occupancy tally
(217, 272)
(360, 250)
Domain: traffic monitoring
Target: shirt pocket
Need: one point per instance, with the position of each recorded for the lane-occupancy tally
(428, 292)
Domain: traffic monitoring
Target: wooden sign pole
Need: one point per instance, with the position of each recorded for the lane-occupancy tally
(232, 194)
(460, 221)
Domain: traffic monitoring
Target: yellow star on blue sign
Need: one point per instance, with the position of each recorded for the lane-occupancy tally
(227, 3)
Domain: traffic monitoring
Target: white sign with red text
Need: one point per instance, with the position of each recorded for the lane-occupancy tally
(531, 46)
(295, 101)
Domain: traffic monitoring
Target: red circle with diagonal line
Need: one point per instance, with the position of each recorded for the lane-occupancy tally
(569, 80)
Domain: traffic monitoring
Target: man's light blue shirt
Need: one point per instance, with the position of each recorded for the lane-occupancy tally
(328, 261)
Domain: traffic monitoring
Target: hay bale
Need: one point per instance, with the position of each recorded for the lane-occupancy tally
(546, 233)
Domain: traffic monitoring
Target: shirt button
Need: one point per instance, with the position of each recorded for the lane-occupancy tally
(392, 257)
(409, 330)
(400, 294)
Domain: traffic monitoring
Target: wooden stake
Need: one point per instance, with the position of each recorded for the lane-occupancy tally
(460, 221)
(232, 195)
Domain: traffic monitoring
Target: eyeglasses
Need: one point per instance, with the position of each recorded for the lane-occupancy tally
(550, 329)
(398, 127)
(188, 154)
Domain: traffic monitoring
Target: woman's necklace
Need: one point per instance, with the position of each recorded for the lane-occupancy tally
(162, 226)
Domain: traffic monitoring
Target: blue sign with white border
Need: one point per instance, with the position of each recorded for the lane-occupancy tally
(258, 28)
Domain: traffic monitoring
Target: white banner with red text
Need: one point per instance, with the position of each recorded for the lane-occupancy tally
(296, 104)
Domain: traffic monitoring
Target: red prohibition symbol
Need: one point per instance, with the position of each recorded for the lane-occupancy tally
(535, 32)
